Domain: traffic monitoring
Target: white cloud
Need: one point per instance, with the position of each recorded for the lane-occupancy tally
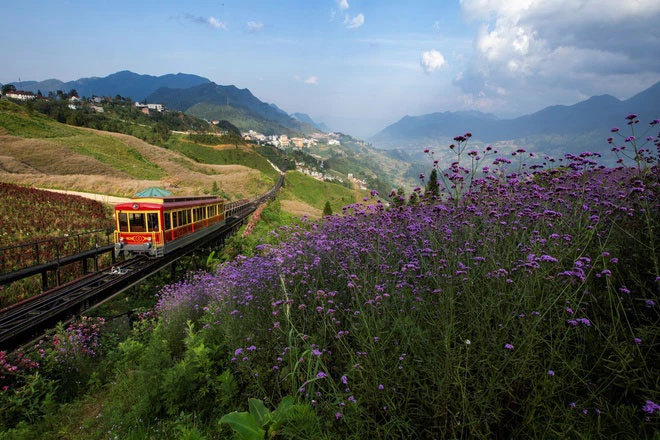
(217, 24)
(432, 60)
(561, 47)
(254, 26)
(312, 80)
(355, 22)
(343, 4)
(210, 21)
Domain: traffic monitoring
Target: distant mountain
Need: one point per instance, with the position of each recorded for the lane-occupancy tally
(303, 117)
(124, 83)
(598, 113)
(238, 106)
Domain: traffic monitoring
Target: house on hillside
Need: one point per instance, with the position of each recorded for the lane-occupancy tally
(146, 108)
(21, 95)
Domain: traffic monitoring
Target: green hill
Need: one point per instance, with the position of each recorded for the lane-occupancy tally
(40, 151)
(306, 189)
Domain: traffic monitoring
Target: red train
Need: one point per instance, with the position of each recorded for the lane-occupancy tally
(154, 226)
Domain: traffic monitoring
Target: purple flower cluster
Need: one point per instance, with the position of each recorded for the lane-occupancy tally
(367, 298)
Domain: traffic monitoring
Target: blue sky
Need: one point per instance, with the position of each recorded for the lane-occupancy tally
(357, 65)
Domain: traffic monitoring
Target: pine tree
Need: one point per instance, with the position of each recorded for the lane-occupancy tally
(327, 209)
(432, 187)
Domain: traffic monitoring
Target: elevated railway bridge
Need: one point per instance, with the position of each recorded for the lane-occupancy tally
(27, 320)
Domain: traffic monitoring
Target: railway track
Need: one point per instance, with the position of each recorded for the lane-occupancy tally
(27, 320)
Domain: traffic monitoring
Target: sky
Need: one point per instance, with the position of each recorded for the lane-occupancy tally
(356, 65)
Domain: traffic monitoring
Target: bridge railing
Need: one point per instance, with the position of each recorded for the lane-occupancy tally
(22, 256)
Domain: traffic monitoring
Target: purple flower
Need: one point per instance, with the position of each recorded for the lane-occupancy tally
(637, 341)
(651, 407)
(508, 346)
(344, 380)
(551, 373)
(615, 129)
(321, 375)
(631, 116)
(337, 415)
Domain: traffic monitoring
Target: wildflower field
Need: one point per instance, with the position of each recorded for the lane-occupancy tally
(517, 299)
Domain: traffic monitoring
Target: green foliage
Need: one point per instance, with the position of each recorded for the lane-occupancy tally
(194, 381)
(432, 188)
(264, 233)
(327, 209)
(239, 117)
(118, 116)
(6, 88)
(260, 422)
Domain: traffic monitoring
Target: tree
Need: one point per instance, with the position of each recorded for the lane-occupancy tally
(400, 198)
(215, 190)
(7, 88)
(432, 187)
(327, 209)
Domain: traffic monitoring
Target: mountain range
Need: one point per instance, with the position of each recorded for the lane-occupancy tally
(555, 128)
(211, 101)
(596, 114)
(188, 93)
(124, 83)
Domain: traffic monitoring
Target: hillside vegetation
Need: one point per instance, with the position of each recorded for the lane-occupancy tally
(522, 302)
(40, 151)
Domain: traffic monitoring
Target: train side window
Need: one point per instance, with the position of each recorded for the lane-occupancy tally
(136, 221)
(152, 222)
(180, 216)
(167, 220)
(123, 222)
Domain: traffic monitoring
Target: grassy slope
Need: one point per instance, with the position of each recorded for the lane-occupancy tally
(302, 188)
(42, 152)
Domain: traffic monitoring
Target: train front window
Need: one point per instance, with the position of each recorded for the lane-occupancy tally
(123, 222)
(152, 222)
(137, 222)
